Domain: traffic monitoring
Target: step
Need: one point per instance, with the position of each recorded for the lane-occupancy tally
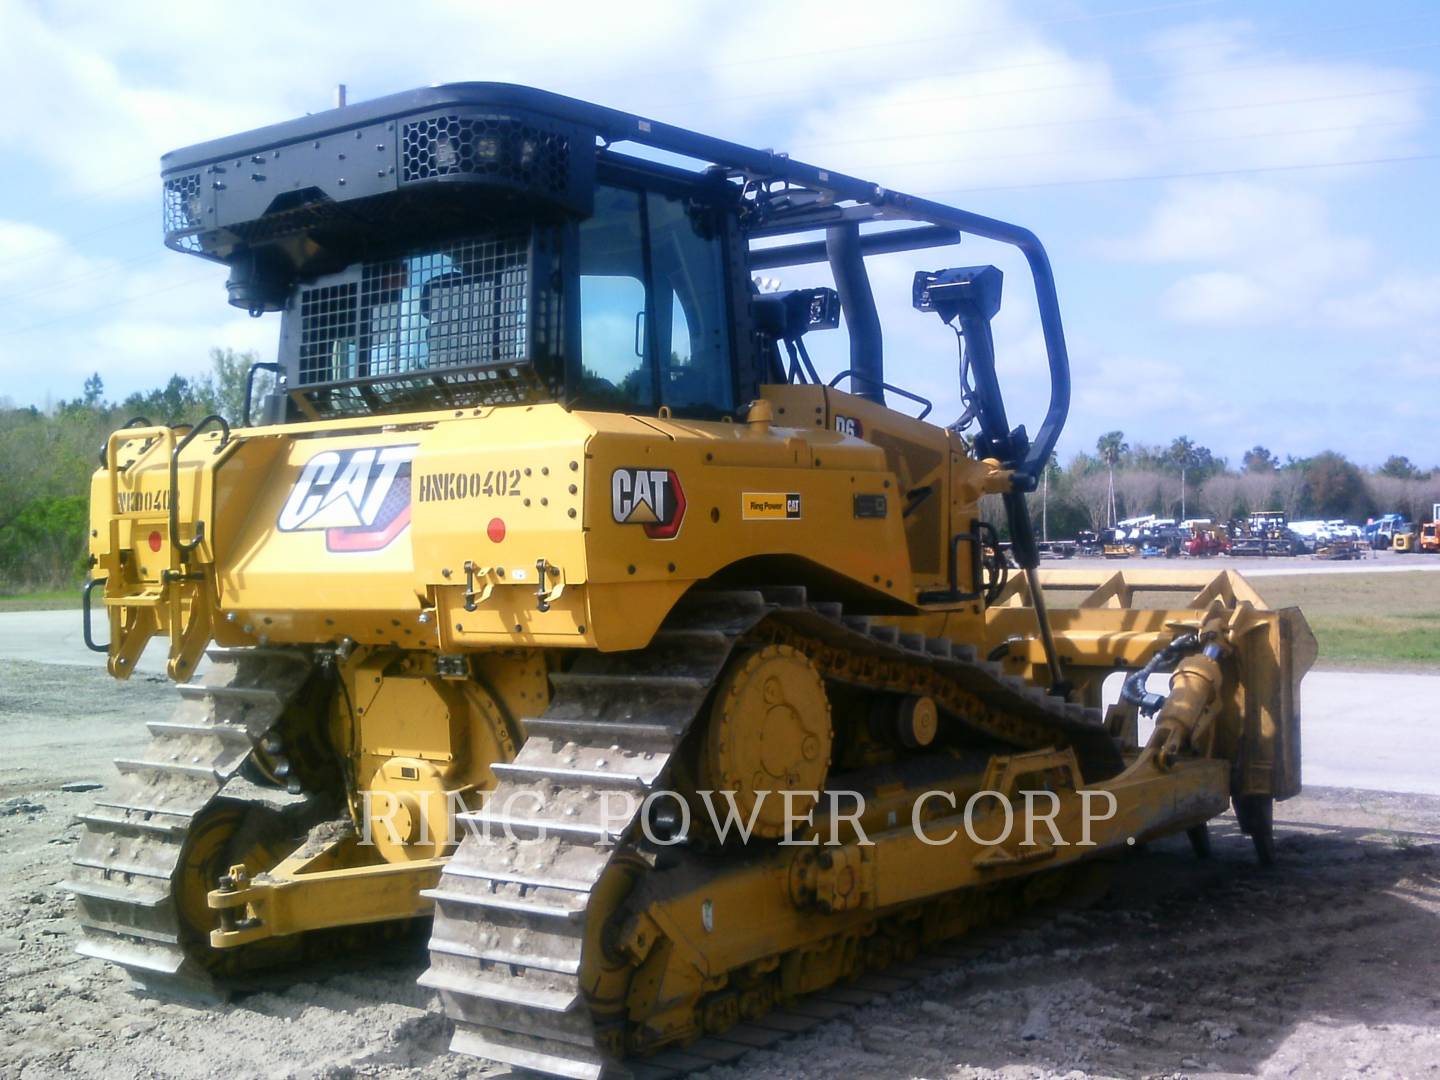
(129, 765)
(159, 959)
(557, 965)
(185, 816)
(228, 654)
(591, 759)
(785, 596)
(695, 636)
(114, 894)
(685, 683)
(142, 824)
(503, 903)
(131, 869)
(523, 828)
(510, 877)
(252, 695)
(504, 991)
(125, 931)
(176, 729)
(547, 1056)
(561, 774)
(593, 731)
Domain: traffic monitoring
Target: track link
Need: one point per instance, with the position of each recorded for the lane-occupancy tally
(510, 910)
(126, 873)
(511, 907)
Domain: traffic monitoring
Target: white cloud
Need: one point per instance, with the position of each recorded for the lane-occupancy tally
(1409, 300)
(1219, 297)
(1203, 221)
(105, 90)
(1264, 249)
(1230, 102)
(1262, 252)
(42, 273)
(942, 96)
(996, 121)
(137, 321)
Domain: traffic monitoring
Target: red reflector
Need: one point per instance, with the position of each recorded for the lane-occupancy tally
(155, 540)
(495, 530)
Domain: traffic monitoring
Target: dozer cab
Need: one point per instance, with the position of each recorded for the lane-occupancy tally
(547, 590)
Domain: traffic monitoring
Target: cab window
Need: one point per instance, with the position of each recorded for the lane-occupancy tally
(654, 323)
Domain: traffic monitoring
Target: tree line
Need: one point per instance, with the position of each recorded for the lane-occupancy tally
(1186, 480)
(48, 455)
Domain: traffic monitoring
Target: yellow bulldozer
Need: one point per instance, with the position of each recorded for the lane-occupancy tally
(547, 593)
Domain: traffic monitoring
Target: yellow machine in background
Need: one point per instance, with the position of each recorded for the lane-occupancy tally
(541, 543)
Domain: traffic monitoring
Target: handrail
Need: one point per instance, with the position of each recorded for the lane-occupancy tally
(849, 373)
(186, 547)
(1045, 298)
(134, 421)
(110, 453)
(259, 365)
(85, 629)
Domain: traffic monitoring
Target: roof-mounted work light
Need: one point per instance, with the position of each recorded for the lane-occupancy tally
(949, 292)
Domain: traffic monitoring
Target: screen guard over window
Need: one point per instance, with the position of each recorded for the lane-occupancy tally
(450, 324)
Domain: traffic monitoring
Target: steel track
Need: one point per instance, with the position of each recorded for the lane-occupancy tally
(129, 862)
(511, 906)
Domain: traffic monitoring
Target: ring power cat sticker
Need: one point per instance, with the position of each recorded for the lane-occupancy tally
(770, 506)
(652, 498)
(359, 498)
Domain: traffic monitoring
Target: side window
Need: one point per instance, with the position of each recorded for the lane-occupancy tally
(692, 320)
(682, 353)
(653, 313)
(615, 368)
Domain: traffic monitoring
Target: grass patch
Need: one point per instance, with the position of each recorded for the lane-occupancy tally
(1388, 620)
(55, 600)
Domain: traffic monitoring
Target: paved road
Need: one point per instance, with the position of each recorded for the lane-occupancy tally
(1378, 732)
(54, 637)
(1375, 731)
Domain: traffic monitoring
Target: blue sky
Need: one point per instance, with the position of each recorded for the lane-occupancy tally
(1238, 198)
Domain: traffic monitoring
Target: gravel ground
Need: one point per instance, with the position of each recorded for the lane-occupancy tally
(1323, 966)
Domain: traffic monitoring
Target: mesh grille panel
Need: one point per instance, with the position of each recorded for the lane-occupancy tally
(182, 210)
(500, 147)
(418, 391)
(460, 305)
(328, 319)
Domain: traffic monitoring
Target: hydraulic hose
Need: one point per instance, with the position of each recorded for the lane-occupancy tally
(1134, 692)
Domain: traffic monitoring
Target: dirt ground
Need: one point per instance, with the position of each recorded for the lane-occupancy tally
(1323, 966)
